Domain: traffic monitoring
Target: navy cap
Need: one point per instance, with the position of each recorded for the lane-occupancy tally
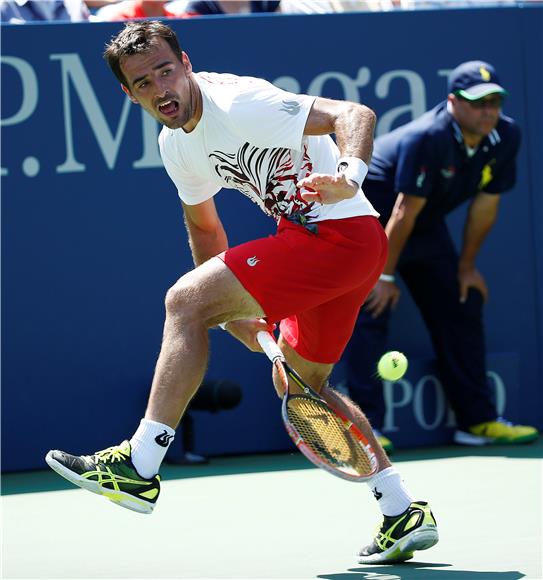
(474, 80)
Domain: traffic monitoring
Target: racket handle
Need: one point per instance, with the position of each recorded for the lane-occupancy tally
(269, 346)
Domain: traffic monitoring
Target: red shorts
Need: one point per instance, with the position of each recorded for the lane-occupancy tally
(313, 283)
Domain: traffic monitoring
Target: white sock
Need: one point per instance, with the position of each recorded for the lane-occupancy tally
(389, 490)
(149, 445)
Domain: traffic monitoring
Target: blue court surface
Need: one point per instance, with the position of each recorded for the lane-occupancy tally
(276, 516)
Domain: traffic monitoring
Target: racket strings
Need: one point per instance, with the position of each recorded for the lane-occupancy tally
(327, 436)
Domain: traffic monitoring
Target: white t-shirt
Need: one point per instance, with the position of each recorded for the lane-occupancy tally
(250, 138)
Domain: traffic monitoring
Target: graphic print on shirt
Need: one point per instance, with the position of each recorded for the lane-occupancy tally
(267, 176)
(486, 175)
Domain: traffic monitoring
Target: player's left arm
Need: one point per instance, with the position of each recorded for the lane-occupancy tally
(353, 125)
(207, 237)
(481, 216)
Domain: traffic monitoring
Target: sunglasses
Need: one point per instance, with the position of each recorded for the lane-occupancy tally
(492, 102)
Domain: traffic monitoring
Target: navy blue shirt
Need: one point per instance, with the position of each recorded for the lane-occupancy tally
(427, 158)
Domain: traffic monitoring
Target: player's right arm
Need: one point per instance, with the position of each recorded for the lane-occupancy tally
(207, 237)
(353, 125)
(398, 229)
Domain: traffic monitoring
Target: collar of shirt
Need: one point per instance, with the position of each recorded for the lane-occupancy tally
(455, 126)
(493, 137)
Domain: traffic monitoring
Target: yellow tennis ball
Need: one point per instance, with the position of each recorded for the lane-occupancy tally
(392, 366)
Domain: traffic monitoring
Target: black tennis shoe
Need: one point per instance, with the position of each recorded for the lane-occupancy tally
(110, 473)
(400, 536)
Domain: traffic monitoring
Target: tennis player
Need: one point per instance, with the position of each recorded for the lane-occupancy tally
(224, 131)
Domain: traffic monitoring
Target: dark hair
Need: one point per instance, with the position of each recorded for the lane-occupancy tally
(138, 37)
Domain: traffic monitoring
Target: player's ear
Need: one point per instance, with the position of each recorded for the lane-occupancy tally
(127, 91)
(186, 62)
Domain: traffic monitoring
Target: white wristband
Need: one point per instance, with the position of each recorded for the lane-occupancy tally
(353, 168)
(387, 278)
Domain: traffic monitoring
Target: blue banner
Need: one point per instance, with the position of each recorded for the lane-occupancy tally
(93, 236)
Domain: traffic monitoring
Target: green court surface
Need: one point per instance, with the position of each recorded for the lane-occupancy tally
(275, 516)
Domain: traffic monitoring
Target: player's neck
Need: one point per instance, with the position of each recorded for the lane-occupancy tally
(196, 98)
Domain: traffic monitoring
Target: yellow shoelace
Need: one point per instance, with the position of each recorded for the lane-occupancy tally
(109, 455)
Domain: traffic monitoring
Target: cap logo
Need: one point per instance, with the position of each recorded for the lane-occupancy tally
(485, 75)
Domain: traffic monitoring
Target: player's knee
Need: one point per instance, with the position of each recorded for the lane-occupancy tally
(173, 300)
(178, 300)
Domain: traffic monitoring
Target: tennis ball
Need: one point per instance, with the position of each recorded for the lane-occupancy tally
(392, 365)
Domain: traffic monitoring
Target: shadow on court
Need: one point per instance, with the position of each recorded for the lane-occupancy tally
(419, 571)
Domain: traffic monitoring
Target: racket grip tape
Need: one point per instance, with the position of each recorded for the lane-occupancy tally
(269, 346)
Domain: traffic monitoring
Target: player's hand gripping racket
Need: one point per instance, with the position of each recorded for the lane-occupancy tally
(325, 437)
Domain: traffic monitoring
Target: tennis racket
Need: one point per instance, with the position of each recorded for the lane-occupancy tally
(325, 437)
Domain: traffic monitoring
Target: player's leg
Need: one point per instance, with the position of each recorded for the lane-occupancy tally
(320, 334)
(366, 346)
(127, 473)
(316, 375)
(198, 301)
(408, 525)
